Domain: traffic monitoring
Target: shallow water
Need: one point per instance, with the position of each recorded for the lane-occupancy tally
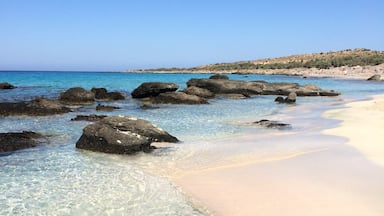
(61, 180)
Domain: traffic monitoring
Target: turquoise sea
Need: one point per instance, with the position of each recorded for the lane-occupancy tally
(58, 179)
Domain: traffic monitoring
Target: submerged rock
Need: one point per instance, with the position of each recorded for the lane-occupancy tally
(122, 135)
(152, 89)
(77, 96)
(5, 85)
(103, 94)
(272, 124)
(88, 117)
(19, 140)
(36, 107)
(106, 108)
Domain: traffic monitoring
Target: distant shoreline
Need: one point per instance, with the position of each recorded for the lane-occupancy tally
(355, 72)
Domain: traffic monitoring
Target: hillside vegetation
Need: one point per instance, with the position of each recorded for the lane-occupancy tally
(355, 57)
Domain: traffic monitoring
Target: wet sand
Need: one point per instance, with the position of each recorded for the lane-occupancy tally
(322, 175)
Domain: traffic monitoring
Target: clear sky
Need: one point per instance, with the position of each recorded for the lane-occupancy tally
(110, 35)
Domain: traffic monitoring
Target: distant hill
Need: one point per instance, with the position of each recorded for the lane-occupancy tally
(361, 57)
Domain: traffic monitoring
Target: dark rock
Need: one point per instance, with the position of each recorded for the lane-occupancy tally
(103, 94)
(106, 108)
(280, 99)
(122, 135)
(219, 76)
(204, 93)
(153, 89)
(258, 87)
(178, 98)
(221, 86)
(36, 107)
(77, 96)
(147, 106)
(272, 124)
(291, 98)
(5, 85)
(375, 77)
(19, 140)
(88, 117)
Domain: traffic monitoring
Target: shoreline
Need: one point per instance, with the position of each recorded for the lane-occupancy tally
(345, 72)
(332, 177)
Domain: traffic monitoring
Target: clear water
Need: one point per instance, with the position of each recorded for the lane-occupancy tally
(58, 179)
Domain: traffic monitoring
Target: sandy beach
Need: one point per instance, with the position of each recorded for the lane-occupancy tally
(328, 175)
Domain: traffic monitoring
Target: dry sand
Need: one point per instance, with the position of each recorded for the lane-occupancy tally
(334, 178)
(363, 124)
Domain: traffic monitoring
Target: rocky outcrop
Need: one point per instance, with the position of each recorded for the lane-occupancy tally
(91, 117)
(77, 96)
(19, 140)
(178, 98)
(222, 86)
(204, 93)
(122, 135)
(5, 85)
(219, 76)
(258, 88)
(103, 94)
(36, 107)
(153, 89)
(272, 124)
(375, 77)
(106, 108)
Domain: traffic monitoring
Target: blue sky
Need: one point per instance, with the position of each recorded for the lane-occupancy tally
(127, 34)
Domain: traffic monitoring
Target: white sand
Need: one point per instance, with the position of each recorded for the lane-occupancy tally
(334, 178)
(363, 124)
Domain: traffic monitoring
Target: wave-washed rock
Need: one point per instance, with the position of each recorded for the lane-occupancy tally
(178, 98)
(5, 85)
(103, 94)
(122, 135)
(222, 86)
(91, 117)
(272, 124)
(19, 140)
(36, 107)
(77, 96)
(153, 89)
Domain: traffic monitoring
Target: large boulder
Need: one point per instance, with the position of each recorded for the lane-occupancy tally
(77, 96)
(5, 85)
(103, 94)
(222, 86)
(122, 135)
(375, 77)
(152, 89)
(178, 98)
(36, 107)
(204, 93)
(19, 140)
